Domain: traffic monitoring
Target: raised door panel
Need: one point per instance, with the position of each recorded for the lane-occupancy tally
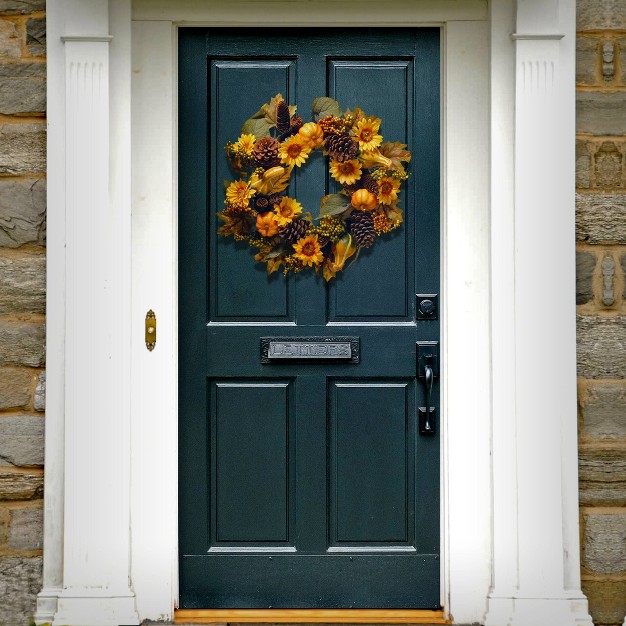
(238, 288)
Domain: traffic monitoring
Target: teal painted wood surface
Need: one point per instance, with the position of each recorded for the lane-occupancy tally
(306, 484)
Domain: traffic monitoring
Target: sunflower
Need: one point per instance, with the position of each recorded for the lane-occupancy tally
(308, 250)
(294, 151)
(366, 133)
(287, 210)
(347, 173)
(388, 190)
(245, 143)
(238, 194)
(266, 224)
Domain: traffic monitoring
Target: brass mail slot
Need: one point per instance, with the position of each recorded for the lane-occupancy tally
(330, 348)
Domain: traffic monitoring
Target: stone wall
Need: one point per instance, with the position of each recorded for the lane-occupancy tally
(601, 302)
(22, 303)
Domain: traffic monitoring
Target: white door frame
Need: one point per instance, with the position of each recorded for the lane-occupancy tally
(509, 491)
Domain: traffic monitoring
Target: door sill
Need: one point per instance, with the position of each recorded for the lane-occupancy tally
(320, 616)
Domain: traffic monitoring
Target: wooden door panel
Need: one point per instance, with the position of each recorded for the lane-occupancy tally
(238, 288)
(253, 464)
(378, 287)
(371, 440)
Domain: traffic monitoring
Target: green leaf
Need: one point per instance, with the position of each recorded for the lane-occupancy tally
(323, 107)
(333, 204)
(257, 127)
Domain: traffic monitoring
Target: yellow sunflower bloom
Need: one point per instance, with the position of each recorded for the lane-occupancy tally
(245, 143)
(287, 211)
(266, 224)
(366, 133)
(294, 151)
(347, 173)
(238, 194)
(388, 190)
(308, 250)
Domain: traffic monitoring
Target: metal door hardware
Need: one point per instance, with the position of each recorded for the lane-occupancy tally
(151, 326)
(427, 306)
(427, 366)
(341, 349)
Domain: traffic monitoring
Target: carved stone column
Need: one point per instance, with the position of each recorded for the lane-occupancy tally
(536, 579)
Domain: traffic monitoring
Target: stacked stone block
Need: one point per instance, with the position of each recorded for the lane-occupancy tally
(22, 304)
(601, 302)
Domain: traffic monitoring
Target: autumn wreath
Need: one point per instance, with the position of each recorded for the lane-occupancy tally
(274, 141)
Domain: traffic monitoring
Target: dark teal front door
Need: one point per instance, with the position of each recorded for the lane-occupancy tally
(306, 484)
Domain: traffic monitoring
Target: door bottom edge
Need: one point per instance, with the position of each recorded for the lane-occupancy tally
(310, 616)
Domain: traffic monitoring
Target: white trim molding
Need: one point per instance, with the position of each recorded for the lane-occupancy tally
(510, 553)
(536, 561)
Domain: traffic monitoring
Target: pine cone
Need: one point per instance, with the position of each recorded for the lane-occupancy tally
(275, 198)
(282, 117)
(341, 148)
(322, 240)
(362, 229)
(370, 183)
(261, 204)
(296, 124)
(266, 152)
(296, 229)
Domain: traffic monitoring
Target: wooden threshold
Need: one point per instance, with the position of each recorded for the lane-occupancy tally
(309, 616)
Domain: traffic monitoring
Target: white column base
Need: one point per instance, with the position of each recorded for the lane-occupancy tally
(538, 612)
(47, 604)
(82, 607)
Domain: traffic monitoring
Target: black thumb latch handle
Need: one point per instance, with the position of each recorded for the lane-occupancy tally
(428, 380)
(427, 365)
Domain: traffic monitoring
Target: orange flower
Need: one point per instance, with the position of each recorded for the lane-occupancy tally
(294, 151)
(266, 224)
(363, 200)
(308, 250)
(347, 173)
(287, 210)
(388, 190)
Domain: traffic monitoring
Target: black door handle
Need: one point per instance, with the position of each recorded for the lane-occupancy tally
(426, 365)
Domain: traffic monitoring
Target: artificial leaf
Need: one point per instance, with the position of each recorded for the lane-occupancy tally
(280, 184)
(328, 272)
(394, 213)
(257, 127)
(237, 224)
(273, 265)
(358, 114)
(333, 204)
(270, 110)
(395, 151)
(323, 107)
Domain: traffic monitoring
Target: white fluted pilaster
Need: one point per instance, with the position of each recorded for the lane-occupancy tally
(536, 580)
(91, 431)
